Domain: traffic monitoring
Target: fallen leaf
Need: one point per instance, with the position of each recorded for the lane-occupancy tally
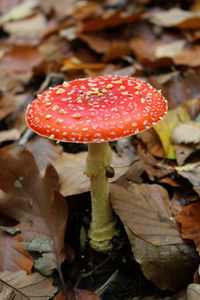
(166, 126)
(33, 287)
(175, 17)
(110, 18)
(7, 105)
(182, 153)
(96, 42)
(21, 59)
(22, 31)
(187, 133)
(152, 142)
(86, 9)
(170, 267)
(9, 135)
(144, 210)
(5, 5)
(188, 57)
(192, 173)
(13, 257)
(20, 11)
(170, 49)
(35, 203)
(7, 293)
(70, 168)
(44, 151)
(190, 223)
(193, 291)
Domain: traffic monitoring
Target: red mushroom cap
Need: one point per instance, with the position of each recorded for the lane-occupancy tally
(95, 110)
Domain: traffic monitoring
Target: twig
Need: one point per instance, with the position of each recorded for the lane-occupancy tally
(102, 289)
(96, 268)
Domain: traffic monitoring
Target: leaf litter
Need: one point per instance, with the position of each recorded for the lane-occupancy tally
(156, 187)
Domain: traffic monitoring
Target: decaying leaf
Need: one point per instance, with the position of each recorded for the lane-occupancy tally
(20, 11)
(170, 267)
(175, 17)
(13, 257)
(44, 151)
(192, 173)
(144, 209)
(189, 218)
(70, 168)
(187, 133)
(9, 135)
(21, 59)
(33, 287)
(35, 203)
(7, 105)
(152, 141)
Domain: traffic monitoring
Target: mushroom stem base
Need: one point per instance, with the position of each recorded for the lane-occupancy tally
(102, 228)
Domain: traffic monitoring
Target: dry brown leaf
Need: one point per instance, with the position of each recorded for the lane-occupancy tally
(19, 11)
(152, 141)
(54, 48)
(86, 9)
(96, 42)
(70, 168)
(189, 218)
(21, 59)
(182, 153)
(192, 173)
(188, 57)
(13, 257)
(170, 267)
(175, 17)
(9, 135)
(36, 204)
(118, 49)
(33, 287)
(187, 133)
(6, 5)
(170, 49)
(78, 294)
(145, 49)
(109, 18)
(22, 31)
(44, 151)
(144, 209)
(7, 105)
(63, 8)
(193, 291)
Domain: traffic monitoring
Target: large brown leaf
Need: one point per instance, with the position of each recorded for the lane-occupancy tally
(189, 218)
(70, 168)
(32, 287)
(170, 267)
(145, 210)
(36, 204)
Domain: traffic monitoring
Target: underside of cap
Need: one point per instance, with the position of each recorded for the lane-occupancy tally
(95, 110)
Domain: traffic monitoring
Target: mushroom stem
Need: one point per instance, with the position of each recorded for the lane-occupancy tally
(102, 227)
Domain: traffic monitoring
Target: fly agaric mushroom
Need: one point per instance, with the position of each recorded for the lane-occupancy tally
(95, 111)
